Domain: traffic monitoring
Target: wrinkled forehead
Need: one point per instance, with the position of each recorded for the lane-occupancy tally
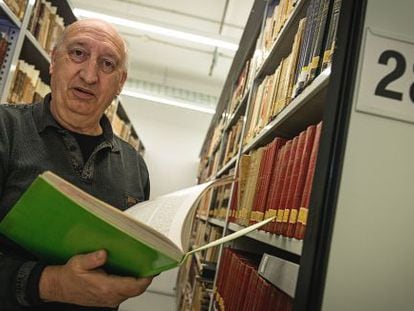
(97, 31)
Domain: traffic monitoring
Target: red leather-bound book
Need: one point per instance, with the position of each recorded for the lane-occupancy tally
(264, 296)
(244, 286)
(276, 194)
(275, 300)
(270, 172)
(304, 206)
(293, 181)
(285, 189)
(251, 291)
(257, 294)
(270, 210)
(304, 164)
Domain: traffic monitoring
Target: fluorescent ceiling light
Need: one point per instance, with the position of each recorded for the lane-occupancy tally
(166, 101)
(158, 30)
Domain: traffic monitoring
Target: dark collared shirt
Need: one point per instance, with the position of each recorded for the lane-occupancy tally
(31, 142)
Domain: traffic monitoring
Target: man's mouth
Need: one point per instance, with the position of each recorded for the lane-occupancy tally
(83, 93)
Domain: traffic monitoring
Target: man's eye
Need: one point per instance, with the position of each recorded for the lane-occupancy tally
(77, 55)
(107, 65)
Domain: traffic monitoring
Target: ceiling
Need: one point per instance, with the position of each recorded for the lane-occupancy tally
(161, 63)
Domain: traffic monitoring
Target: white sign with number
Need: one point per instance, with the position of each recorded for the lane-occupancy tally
(386, 81)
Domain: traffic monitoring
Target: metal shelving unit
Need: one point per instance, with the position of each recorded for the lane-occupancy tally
(309, 107)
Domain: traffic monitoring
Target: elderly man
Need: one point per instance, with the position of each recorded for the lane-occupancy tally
(69, 134)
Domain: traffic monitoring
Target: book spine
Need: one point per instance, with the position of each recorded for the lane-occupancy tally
(302, 57)
(304, 164)
(274, 150)
(316, 60)
(293, 182)
(259, 185)
(304, 206)
(316, 19)
(285, 189)
(270, 210)
(330, 41)
(277, 194)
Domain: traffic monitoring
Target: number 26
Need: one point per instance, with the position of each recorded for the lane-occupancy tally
(399, 70)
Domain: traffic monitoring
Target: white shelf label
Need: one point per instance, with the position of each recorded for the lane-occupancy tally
(386, 81)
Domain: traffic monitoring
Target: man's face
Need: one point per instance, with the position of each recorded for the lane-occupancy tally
(87, 71)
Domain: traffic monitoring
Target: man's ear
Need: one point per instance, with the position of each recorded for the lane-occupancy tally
(52, 61)
(124, 76)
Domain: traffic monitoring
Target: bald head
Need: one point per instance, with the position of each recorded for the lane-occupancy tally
(106, 30)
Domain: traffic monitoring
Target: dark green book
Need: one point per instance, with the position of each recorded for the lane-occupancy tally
(55, 220)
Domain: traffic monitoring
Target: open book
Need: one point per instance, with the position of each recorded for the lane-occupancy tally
(55, 220)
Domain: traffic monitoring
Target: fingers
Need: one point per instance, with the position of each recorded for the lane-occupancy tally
(130, 286)
(81, 282)
(89, 261)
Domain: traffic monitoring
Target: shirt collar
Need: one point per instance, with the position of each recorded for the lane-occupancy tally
(44, 118)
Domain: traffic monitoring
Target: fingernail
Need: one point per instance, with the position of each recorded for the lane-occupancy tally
(100, 254)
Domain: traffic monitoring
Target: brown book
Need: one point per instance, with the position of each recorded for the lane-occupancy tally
(34, 17)
(259, 184)
(265, 104)
(243, 173)
(277, 104)
(275, 93)
(234, 202)
(304, 205)
(253, 113)
(249, 193)
(304, 164)
(293, 181)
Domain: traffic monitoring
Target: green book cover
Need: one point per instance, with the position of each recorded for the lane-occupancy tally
(55, 220)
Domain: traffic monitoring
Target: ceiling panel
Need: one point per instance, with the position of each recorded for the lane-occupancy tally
(176, 62)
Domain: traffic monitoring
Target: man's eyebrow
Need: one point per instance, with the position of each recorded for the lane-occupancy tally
(74, 43)
(106, 52)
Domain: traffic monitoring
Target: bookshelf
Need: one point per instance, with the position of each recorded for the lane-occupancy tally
(24, 46)
(292, 68)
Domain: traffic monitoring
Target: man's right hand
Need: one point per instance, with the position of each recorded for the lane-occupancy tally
(81, 282)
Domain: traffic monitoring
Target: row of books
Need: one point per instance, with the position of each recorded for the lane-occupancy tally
(252, 291)
(18, 7)
(45, 24)
(220, 202)
(278, 13)
(276, 180)
(231, 142)
(241, 87)
(275, 92)
(318, 42)
(26, 86)
(120, 127)
(199, 270)
(307, 58)
(311, 53)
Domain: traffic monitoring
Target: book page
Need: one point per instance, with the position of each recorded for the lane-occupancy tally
(168, 214)
(231, 236)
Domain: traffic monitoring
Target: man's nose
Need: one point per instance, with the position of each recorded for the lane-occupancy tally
(89, 71)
